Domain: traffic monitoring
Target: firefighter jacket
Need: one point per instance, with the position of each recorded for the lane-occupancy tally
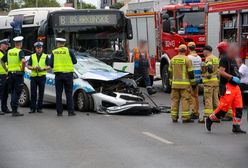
(181, 72)
(210, 71)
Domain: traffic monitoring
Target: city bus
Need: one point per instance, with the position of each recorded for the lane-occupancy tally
(101, 33)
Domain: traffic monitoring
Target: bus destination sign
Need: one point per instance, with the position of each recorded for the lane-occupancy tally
(81, 20)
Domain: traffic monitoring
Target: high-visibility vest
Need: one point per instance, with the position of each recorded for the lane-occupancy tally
(213, 81)
(2, 70)
(41, 63)
(62, 60)
(14, 62)
(137, 54)
(179, 68)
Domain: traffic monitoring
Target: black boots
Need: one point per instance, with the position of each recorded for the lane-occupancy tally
(194, 117)
(17, 114)
(208, 124)
(150, 91)
(237, 130)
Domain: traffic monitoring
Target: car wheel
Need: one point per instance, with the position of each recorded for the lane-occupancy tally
(24, 98)
(91, 103)
(165, 79)
(82, 101)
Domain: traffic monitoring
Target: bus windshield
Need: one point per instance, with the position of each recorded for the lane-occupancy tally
(100, 34)
(190, 23)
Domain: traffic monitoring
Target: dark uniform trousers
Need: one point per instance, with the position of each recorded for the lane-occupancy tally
(37, 83)
(4, 91)
(17, 82)
(64, 81)
(143, 72)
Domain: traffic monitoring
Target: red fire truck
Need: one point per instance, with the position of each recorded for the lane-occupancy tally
(165, 29)
(228, 20)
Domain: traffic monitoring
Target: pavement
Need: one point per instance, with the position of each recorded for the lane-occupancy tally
(91, 140)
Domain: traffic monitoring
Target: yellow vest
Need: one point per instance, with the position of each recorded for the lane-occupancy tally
(213, 80)
(62, 60)
(2, 70)
(41, 63)
(14, 62)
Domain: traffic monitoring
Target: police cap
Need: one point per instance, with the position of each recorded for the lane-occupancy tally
(18, 39)
(5, 41)
(60, 40)
(38, 44)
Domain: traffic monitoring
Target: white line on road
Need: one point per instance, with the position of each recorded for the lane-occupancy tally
(158, 138)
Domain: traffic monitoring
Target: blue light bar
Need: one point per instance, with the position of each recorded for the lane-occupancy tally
(191, 1)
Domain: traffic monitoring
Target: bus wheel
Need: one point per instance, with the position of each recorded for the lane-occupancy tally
(165, 79)
(24, 98)
(82, 101)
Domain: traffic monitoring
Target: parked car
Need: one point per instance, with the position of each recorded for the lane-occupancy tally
(96, 87)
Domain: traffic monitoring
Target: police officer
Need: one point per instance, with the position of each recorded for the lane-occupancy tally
(196, 62)
(62, 60)
(210, 82)
(181, 76)
(38, 64)
(4, 87)
(16, 66)
(142, 65)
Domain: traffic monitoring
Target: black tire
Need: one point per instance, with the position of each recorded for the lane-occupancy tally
(24, 98)
(165, 79)
(91, 103)
(82, 101)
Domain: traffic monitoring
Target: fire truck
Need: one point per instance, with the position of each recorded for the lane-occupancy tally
(165, 27)
(228, 21)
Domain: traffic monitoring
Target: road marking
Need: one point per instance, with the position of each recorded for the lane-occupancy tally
(158, 138)
(107, 115)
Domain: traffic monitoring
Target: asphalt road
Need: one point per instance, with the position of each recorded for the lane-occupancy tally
(103, 141)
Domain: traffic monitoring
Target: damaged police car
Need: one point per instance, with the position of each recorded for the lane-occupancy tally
(96, 87)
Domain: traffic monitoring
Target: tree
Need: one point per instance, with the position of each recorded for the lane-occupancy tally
(117, 5)
(41, 3)
(85, 6)
(3, 5)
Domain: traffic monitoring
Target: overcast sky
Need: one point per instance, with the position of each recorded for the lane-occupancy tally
(95, 2)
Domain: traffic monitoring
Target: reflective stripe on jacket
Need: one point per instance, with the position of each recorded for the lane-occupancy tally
(210, 79)
(62, 60)
(196, 63)
(14, 62)
(2, 70)
(41, 63)
(179, 68)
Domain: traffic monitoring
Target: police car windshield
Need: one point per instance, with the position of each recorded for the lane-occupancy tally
(89, 64)
(190, 22)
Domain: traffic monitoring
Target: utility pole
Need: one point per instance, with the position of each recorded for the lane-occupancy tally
(36, 3)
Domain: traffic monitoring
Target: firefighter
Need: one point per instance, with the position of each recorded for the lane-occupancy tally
(38, 64)
(142, 65)
(15, 59)
(230, 92)
(210, 82)
(62, 60)
(181, 76)
(4, 87)
(196, 62)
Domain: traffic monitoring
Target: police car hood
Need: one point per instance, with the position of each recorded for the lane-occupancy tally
(90, 68)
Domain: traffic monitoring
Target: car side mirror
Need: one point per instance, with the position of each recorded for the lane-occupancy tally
(129, 29)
